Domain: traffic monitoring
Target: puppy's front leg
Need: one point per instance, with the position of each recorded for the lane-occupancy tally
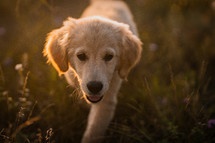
(99, 118)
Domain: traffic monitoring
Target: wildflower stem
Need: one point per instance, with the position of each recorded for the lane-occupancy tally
(25, 83)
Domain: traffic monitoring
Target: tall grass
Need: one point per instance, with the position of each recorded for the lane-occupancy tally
(169, 96)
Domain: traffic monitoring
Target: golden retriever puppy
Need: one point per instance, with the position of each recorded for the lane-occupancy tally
(95, 53)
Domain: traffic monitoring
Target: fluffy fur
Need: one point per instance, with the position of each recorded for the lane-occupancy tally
(95, 53)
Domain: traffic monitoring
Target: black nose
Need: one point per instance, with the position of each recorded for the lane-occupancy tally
(94, 87)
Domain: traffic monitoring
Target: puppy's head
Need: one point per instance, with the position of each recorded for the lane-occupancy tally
(94, 48)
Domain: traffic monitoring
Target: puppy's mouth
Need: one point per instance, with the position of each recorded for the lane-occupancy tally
(94, 99)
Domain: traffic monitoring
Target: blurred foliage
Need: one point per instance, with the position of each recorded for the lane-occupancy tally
(169, 96)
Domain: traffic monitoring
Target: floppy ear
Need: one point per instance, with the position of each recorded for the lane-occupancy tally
(56, 46)
(131, 53)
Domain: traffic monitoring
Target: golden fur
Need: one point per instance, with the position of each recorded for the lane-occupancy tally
(79, 49)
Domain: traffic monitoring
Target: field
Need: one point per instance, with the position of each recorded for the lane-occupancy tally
(169, 96)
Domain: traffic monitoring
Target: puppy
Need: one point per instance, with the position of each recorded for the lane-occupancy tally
(95, 53)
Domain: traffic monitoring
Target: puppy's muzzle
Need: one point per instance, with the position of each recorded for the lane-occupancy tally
(94, 87)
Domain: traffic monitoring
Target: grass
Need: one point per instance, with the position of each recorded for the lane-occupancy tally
(169, 96)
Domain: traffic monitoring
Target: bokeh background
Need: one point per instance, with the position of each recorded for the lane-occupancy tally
(169, 96)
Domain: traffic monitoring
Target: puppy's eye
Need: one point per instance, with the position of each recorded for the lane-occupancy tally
(108, 57)
(82, 57)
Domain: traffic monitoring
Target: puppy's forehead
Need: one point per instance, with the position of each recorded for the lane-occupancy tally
(96, 34)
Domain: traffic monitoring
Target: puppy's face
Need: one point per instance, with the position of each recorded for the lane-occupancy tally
(94, 49)
(95, 67)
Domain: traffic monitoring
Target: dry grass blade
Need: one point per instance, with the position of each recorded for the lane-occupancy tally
(25, 124)
(2, 75)
(32, 110)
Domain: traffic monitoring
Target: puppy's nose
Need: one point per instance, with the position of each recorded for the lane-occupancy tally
(94, 87)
